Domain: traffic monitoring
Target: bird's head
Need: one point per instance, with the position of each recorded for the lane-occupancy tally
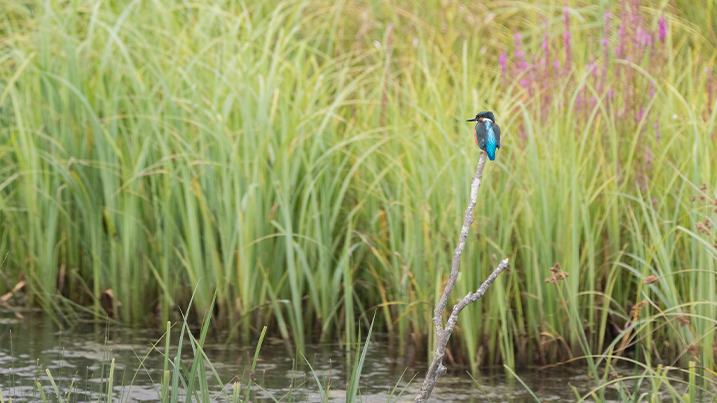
(483, 115)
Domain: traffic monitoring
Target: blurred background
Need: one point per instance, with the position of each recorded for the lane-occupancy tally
(309, 161)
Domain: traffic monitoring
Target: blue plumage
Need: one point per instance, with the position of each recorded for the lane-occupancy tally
(491, 142)
(487, 133)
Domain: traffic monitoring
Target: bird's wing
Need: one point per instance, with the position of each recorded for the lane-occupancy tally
(480, 135)
(496, 130)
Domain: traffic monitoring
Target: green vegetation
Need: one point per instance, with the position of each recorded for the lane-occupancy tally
(179, 380)
(310, 162)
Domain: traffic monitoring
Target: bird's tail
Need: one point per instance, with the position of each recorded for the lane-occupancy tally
(491, 153)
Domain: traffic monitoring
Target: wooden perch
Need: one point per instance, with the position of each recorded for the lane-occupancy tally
(437, 369)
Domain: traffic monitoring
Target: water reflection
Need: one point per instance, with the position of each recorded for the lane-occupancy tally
(83, 354)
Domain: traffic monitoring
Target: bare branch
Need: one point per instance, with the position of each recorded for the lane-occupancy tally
(455, 265)
(436, 370)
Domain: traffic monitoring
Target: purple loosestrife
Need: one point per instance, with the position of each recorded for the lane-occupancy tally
(643, 41)
(557, 71)
(605, 51)
(635, 16)
(648, 157)
(610, 98)
(531, 77)
(546, 49)
(708, 111)
(620, 41)
(503, 60)
(521, 66)
(545, 106)
(662, 28)
(656, 125)
(627, 88)
(566, 39)
(620, 48)
(593, 69)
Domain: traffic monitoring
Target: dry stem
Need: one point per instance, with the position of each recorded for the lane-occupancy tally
(436, 370)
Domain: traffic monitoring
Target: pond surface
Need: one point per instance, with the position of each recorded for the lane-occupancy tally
(83, 354)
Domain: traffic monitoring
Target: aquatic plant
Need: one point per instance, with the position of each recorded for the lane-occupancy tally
(244, 145)
(190, 383)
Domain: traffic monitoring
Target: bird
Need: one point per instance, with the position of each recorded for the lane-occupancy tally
(487, 133)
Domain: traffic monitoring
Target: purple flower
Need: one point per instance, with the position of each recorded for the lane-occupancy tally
(656, 125)
(592, 68)
(556, 64)
(566, 38)
(708, 111)
(643, 38)
(518, 54)
(621, 38)
(648, 156)
(654, 201)
(605, 50)
(662, 28)
(546, 61)
(524, 82)
(610, 93)
(503, 61)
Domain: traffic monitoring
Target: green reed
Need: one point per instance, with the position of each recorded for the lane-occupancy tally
(310, 164)
(192, 381)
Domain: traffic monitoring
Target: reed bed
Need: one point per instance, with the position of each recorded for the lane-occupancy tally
(194, 379)
(310, 162)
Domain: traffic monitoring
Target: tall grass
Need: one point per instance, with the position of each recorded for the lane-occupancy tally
(178, 379)
(310, 162)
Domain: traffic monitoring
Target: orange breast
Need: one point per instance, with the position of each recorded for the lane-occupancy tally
(475, 138)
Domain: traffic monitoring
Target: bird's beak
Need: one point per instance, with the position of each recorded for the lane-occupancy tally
(471, 120)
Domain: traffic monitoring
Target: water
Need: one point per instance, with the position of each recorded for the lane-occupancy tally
(83, 353)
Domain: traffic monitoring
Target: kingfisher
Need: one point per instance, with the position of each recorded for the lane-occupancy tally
(487, 133)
